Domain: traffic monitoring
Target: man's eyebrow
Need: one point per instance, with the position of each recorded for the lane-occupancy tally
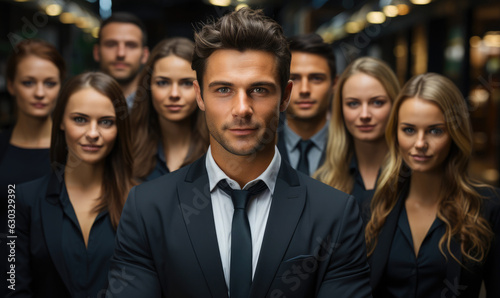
(263, 83)
(219, 83)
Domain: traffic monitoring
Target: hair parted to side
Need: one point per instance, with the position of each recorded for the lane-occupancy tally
(117, 176)
(38, 48)
(340, 144)
(460, 204)
(126, 18)
(242, 30)
(313, 43)
(144, 118)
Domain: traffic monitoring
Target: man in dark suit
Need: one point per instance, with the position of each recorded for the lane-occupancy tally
(181, 236)
(303, 136)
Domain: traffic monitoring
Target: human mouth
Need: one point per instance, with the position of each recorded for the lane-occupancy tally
(90, 148)
(174, 108)
(421, 158)
(120, 65)
(305, 104)
(242, 131)
(39, 105)
(365, 128)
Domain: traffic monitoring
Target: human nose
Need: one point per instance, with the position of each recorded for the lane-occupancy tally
(175, 92)
(93, 132)
(40, 91)
(366, 114)
(120, 51)
(421, 142)
(304, 89)
(242, 107)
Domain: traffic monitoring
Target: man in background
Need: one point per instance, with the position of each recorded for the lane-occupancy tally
(302, 141)
(122, 50)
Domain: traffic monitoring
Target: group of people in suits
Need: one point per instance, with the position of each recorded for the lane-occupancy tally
(390, 210)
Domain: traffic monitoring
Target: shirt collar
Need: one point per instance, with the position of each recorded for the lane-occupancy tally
(269, 176)
(319, 139)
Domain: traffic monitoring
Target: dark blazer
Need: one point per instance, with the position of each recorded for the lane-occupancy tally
(166, 242)
(467, 280)
(41, 270)
(38, 230)
(284, 152)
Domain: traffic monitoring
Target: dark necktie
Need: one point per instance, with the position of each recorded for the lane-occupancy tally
(304, 147)
(240, 274)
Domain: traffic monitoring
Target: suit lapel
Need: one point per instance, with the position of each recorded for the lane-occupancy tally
(282, 146)
(52, 218)
(196, 203)
(287, 205)
(378, 259)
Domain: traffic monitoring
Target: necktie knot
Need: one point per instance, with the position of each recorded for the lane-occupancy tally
(304, 147)
(240, 198)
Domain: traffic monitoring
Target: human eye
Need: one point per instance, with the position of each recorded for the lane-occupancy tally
(79, 119)
(379, 102)
(187, 84)
(28, 83)
(50, 84)
(132, 45)
(223, 90)
(408, 130)
(259, 90)
(436, 131)
(317, 79)
(294, 78)
(161, 83)
(110, 43)
(107, 122)
(352, 104)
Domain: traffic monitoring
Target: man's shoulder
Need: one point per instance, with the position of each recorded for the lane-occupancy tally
(322, 194)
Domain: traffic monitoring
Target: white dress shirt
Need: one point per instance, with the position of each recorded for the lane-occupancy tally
(257, 209)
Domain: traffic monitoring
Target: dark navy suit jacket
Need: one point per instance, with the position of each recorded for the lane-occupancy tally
(167, 245)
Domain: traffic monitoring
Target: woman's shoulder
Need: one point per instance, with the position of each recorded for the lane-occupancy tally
(30, 190)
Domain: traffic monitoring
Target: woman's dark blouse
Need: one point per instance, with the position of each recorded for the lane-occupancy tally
(86, 267)
(362, 195)
(406, 275)
(160, 168)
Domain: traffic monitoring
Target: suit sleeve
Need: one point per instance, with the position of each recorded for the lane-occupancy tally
(348, 272)
(22, 261)
(492, 264)
(132, 271)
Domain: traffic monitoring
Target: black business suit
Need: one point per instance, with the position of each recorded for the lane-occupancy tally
(458, 281)
(167, 245)
(48, 263)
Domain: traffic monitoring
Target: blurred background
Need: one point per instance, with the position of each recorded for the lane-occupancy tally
(457, 38)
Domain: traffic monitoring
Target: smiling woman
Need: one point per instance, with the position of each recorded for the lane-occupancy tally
(431, 225)
(73, 212)
(168, 129)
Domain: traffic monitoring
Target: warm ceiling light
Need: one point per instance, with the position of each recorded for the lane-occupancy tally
(240, 6)
(352, 27)
(81, 22)
(67, 18)
(375, 17)
(403, 9)
(475, 41)
(220, 2)
(492, 39)
(391, 11)
(420, 2)
(53, 10)
(21, 0)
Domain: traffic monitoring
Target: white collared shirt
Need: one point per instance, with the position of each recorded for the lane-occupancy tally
(257, 209)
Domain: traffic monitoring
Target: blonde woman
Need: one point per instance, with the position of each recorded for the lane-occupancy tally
(356, 146)
(431, 228)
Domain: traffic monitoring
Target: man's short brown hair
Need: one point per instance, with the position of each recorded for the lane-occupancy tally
(241, 30)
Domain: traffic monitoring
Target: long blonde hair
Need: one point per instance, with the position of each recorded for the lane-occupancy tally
(460, 204)
(340, 146)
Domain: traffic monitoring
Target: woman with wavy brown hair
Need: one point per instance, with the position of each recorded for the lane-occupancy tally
(168, 128)
(433, 231)
(356, 145)
(66, 221)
